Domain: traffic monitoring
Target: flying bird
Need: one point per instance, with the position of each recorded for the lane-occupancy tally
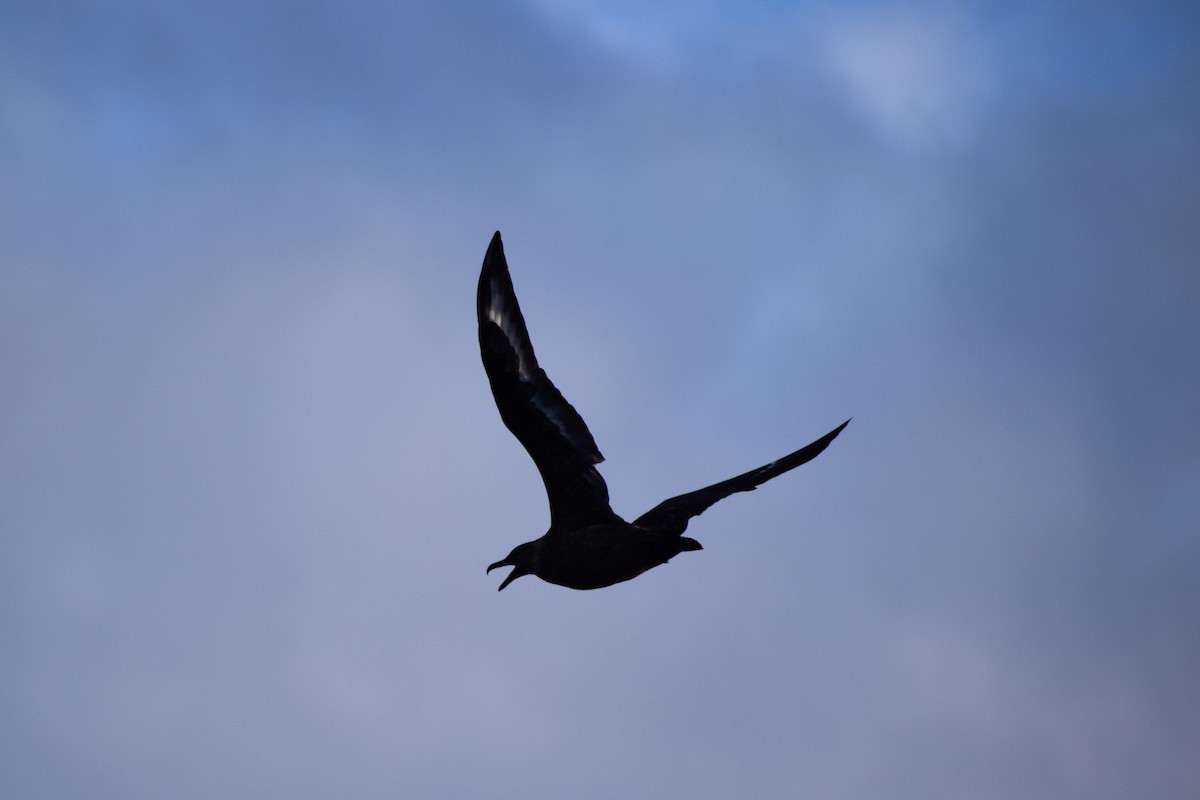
(587, 546)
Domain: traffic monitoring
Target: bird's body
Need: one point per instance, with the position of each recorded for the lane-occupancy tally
(600, 555)
(587, 546)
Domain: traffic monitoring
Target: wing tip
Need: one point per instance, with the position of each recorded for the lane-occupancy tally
(495, 251)
(828, 438)
(492, 279)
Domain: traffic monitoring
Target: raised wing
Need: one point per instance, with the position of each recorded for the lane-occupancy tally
(671, 516)
(549, 428)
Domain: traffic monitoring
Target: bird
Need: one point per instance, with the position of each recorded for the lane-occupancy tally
(588, 546)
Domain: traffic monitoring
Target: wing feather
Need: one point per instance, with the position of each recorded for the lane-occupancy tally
(671, 516)
(532, 408)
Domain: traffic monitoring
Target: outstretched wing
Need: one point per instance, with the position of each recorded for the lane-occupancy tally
(549, 428)
(671, 516)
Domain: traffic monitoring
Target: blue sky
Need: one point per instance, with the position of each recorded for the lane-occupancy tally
(251, 473)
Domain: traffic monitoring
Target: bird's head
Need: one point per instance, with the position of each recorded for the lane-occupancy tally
(523, 560)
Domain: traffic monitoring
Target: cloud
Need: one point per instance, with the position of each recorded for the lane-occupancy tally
(251, 474)
(923, 78)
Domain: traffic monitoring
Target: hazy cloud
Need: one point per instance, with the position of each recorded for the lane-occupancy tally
(251, 475)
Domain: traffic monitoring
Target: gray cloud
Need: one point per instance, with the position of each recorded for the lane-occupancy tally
(250, 472)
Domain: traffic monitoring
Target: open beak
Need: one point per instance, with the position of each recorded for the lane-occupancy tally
(512, 576)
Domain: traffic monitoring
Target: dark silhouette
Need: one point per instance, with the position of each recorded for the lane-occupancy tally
(587, 546)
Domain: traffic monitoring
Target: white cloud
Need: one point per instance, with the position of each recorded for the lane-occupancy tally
(922, 79)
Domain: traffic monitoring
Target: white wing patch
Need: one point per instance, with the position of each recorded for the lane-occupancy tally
(554, 409)
(495, 313)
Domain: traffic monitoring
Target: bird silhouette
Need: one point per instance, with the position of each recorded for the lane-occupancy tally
(587, 546)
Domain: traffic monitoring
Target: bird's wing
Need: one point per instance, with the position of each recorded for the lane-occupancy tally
(549, 428)
(671, 516)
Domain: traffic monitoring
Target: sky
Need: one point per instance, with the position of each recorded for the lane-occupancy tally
(251, 472)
